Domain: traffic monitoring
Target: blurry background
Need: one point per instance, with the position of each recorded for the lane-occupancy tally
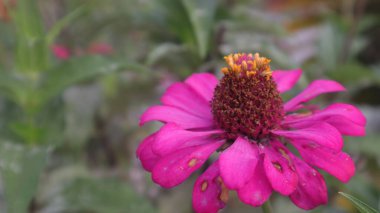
(76, 75)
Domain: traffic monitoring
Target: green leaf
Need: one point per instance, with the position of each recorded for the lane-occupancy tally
(29, 133)
(103, 195)
(163, 50)
(368, 145)
(360, 205)
(201, 14)
(351, 73)
(57, 28)
(32, 51)
(8, 86)
(329, 46)
(77, 70)
(20, 169)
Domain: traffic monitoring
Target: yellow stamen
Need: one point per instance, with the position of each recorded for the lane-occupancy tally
(244, 65)
(251, 73)
(225, 70)
(247, 64)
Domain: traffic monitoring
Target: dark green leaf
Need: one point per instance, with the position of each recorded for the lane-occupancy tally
(350, 73)
(360, 205)
(201, 14)
(12, 87)
(20, 169)
(57, 28)
(32, 51)
(77, 70)
(107, 195)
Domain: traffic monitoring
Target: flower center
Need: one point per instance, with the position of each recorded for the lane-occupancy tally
(246, 100)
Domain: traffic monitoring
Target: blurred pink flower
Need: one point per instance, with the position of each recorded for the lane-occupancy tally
(61, 52)
(243, 118)
(100, 48)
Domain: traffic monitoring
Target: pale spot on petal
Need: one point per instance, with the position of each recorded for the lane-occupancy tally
(193, 162)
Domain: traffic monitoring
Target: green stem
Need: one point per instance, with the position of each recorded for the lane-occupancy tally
(266, 207)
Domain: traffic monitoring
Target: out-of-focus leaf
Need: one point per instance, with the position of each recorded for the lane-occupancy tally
(77, 70)
(351, 73)
(107, 195)
(163, 50)
(329, 46)
(32, 51)
(20, 169)
(357, 46)
(363, 188)
(368, 144)
(201, 14)
(178, 21)
(56, 29)
(10, 86)
(27, 132)
(366, 22)
(360, 205)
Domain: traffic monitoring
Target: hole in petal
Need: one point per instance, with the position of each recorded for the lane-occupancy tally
(277, 166)
(224, 193)
(204, 186)
(193, 162)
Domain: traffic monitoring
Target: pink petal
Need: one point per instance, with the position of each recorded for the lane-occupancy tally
(175, 168)
(258, 189)
(182, 96)
(171, 137)
(340, 165)
(238, 162)
(345, 110)
(203, 83)
(316, 88)
(346, 118)
(286, 79)
(279, 168)
(169, 114)
(311, 190)
(339, 110)
(319, 132)
(144, 152)
(209, 193)
(346, 127)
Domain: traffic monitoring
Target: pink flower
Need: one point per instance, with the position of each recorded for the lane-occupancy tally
(100, 48)
(61, 52)
(243, 121)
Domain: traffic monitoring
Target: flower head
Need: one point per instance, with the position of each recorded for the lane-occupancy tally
(244, 120)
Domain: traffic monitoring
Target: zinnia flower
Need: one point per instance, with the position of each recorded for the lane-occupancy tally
(244, 122)
(61, 51)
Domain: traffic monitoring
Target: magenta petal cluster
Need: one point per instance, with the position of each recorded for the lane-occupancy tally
(253, 166)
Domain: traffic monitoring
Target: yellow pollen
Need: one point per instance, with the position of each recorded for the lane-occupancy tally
(204, 186)
(251, 73)
(192, 162)
(247, 64)
(244, 65)
(225, 70)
